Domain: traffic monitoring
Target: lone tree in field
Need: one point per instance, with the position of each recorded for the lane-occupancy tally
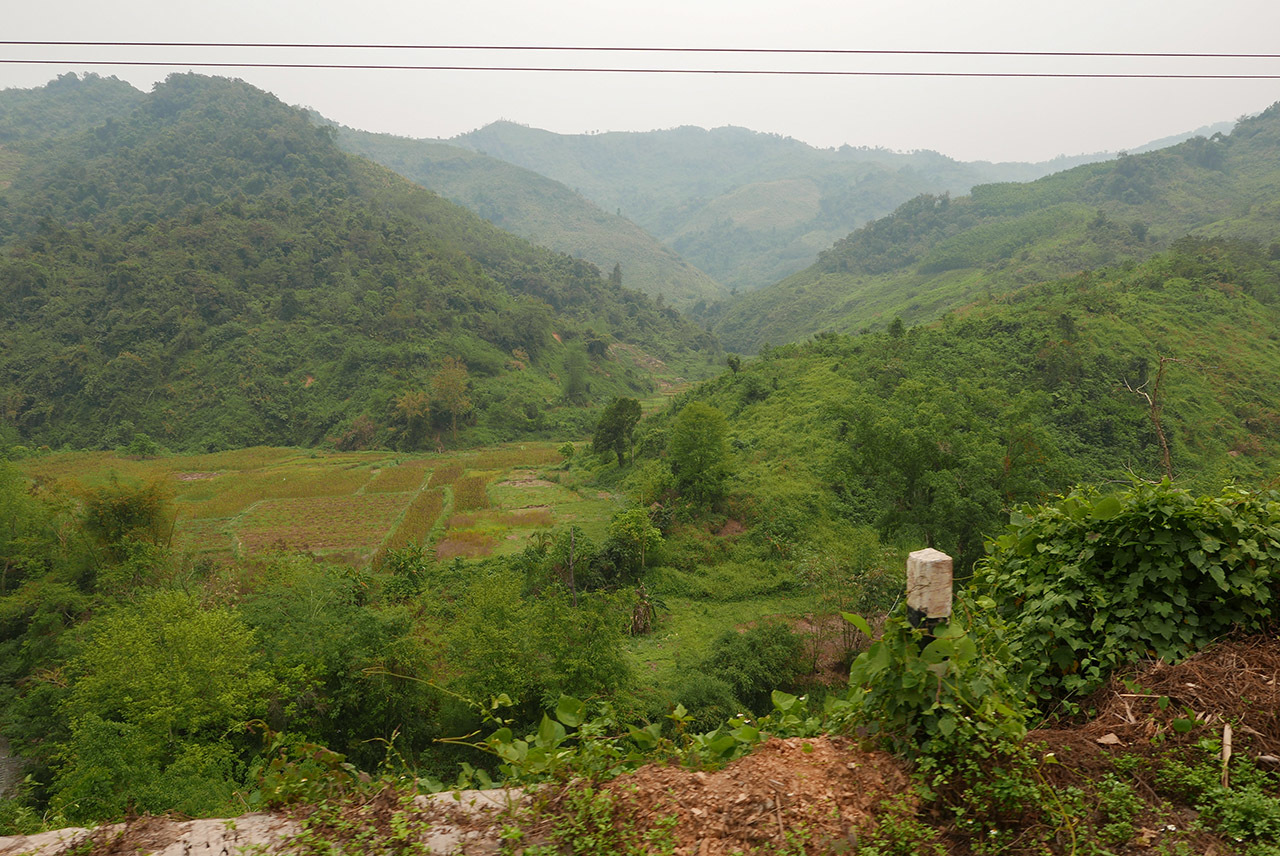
(698, 453)
(616, 427)
(449, 390)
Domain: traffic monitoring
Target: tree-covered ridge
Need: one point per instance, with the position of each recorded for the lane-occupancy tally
(213, 271)
(936, 253)
(748, 208)
(65, 105)
(933, 433)
(540, 210)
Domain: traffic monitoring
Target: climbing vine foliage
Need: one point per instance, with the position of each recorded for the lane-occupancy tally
(1094, 581)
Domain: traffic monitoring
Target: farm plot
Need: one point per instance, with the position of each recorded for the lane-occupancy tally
(344, 524)
(204, 537)
(399, 478)
(349, 506)
(517, 504)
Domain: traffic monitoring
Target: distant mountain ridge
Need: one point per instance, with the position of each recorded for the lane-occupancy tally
(748, 208)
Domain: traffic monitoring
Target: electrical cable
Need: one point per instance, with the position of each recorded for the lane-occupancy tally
(620, 70)
(647, 49)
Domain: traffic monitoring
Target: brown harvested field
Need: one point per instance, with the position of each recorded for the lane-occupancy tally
(320, 524)
(528, 518)
(467, 543)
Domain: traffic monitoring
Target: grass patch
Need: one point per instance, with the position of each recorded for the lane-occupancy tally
(205, 536)
(524, 455)
(685, 630)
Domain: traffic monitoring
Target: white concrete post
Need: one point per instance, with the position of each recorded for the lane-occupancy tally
(928, 587)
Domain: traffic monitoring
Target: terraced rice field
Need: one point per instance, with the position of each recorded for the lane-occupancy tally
(349, 507)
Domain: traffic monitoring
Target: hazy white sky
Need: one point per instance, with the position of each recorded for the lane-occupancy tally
(1004, 119)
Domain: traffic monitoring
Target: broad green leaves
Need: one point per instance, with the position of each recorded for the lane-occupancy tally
(1091, 582)
(943, 693)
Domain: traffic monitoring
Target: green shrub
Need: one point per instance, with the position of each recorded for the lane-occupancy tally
(1091, 582)
(756, 661)
(946, 694)
(709, 699)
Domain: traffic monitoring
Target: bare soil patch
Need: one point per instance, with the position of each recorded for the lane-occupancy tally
(823, 788)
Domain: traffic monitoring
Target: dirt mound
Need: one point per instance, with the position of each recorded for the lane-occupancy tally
(823, 789)
(1237, 681)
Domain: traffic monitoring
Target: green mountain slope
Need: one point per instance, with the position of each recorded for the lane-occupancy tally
(937, 253)
(64, 105)
(540, 210)
(29, 118)
(931, 434)
(747, 208)
(212, 270)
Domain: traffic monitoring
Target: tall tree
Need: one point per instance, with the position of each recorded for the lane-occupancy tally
(413, 406)
(616, 427)
(449, 387)
(698, 452)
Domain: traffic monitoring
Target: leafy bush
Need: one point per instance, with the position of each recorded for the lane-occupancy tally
(156, 690)
(1091, 582)
(943, 694)
(756, 661)
(710, 700)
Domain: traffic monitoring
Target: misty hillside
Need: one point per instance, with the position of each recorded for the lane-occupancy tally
(938, 253)
(748, 208)
(540, 210)
(210, 269)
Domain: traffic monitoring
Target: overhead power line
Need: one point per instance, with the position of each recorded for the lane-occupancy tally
(646, 49)
(620, 70)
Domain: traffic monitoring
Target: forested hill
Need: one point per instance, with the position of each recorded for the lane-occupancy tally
(541, 210)
(932, 434)
(748, 208)
(210, 269)
(65, 105)
(936, 253)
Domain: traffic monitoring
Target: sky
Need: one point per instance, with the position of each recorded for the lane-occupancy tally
(965, 118)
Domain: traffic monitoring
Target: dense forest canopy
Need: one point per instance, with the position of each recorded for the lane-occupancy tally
(211, 270)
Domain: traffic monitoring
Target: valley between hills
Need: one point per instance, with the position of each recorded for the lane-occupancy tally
(342, 472)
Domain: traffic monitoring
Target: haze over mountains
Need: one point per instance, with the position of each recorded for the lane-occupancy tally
(937, 253)
(741, 209)
(541, 210)
(748, 208)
